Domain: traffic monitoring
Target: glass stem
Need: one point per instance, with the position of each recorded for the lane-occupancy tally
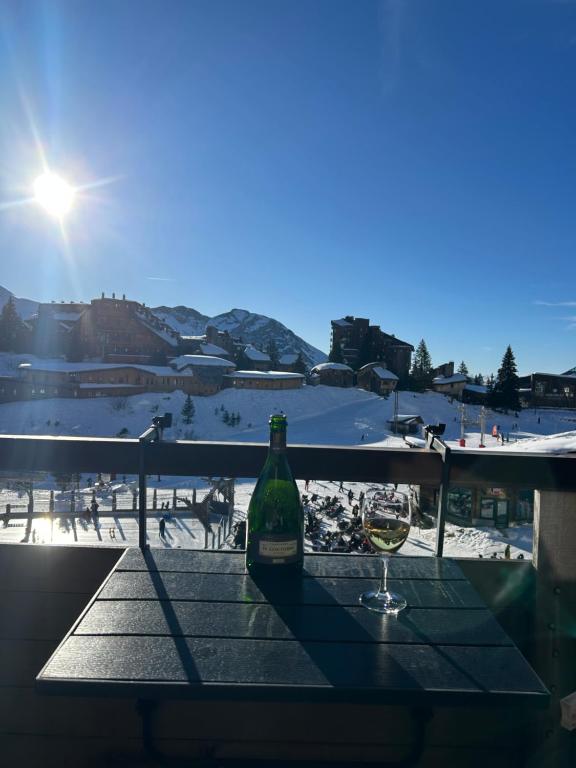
(384, 577)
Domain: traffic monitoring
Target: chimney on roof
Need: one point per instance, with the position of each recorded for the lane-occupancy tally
(123, 297)
(113, 295)
(102, 294)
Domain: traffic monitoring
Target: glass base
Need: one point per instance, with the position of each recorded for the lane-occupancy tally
(383, 602)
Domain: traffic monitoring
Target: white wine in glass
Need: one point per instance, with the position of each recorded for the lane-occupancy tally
(386, 526)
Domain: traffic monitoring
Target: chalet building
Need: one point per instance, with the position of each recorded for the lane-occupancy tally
(11, 389)
(257, 360)
(213, 342)
(264, 380)
(193, 374)
(358, 341)
(474, 394)
(288, 362)
(497, 507)
(450, 385)
(548, 390)
(374, 378)
(108, 329)
(332, 375)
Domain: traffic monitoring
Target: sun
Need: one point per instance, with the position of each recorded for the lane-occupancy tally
(54, 194)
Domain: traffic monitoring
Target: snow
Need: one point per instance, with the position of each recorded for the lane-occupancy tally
(385, 374)
(69, 317)
(476, 388)
(456, 378)
(160, 331)
(288, 359)
(63, 366)
(201, 360)
(343, 323)
(263, 375)
(255, 355)
(316, 415)
(331, 367)
(109, 386)
(213, 349)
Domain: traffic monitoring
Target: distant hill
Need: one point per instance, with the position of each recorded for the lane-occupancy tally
(252, 328)
(25, 307)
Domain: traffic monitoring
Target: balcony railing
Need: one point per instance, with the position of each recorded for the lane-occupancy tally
(438, 467)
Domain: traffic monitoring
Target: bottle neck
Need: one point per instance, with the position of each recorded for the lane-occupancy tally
(278, 441)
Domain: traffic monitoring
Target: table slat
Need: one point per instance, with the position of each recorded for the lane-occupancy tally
(139, 585)
(290, 663)
(351, 566)
(307, 623)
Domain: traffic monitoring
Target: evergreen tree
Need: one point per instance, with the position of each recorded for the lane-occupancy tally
(335, 355)
(13, 332)
(479, 379)
(272, 352)
(421, 373)
(505, 392)
(463, 368)
(300, 365)
(188, 410)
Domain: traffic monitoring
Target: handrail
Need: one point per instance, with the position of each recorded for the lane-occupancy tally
(469, 468)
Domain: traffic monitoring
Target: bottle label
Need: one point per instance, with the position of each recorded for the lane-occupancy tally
(277, 550)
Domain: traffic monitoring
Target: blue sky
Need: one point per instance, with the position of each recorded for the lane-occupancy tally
(413, 162)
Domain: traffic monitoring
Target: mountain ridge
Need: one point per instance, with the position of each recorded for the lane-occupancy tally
(251, 327)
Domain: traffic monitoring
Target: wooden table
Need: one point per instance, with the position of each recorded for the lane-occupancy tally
(191, 624)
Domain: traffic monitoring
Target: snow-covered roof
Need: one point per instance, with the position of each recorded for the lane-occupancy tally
(109, 386)
(200, 360)
(194, 338)
(332, 367)
(63, 366)
(213, 349)
(477, 388)
(384, 373)
(404, 417)
(254, 354)
(289, 358)
(69, 317)
(456, 378)
(341, 322)
(169, 336)
(263, 375)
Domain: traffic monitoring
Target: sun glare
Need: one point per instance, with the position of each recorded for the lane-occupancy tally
(54, 194)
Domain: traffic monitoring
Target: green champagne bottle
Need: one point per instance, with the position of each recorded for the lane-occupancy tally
(275, 523)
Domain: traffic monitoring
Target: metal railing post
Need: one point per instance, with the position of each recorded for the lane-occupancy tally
(142, 491)
(434, 442)
(153, 433)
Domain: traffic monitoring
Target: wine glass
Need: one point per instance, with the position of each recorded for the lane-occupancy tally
(386, 525)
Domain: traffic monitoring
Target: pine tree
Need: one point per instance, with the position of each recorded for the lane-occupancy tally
(421, 373)
(188, 410)
(463, 368)
(335, 355)
(272, 351)
(479, 379)
(12, 329)
(505, 393)
(300, 365)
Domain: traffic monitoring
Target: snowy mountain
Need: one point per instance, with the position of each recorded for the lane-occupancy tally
(254, 329)
(25, 307)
